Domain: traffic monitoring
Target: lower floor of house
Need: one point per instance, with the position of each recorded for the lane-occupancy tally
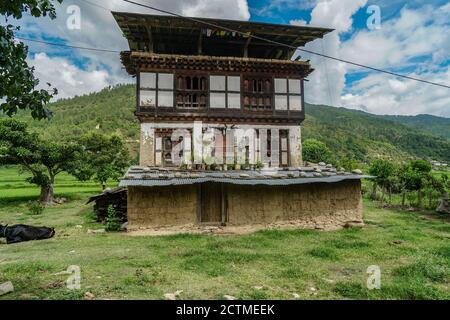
(312, 205)
(174, 144)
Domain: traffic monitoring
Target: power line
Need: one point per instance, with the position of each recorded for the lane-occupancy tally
(68, 45)
(239, 32)
(287, 45)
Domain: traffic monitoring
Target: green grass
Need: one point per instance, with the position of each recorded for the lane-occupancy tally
(116, 265)
(14, 188)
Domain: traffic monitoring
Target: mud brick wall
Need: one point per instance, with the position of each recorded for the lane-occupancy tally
(321, 205)
(162, 206)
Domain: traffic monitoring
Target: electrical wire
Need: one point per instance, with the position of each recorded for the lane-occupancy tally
(239, 32)
(287, 45)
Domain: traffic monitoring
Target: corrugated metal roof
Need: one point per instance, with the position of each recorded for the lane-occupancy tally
(151, 176)
(270, 182)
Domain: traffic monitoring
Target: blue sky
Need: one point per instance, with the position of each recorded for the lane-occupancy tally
(412, 39)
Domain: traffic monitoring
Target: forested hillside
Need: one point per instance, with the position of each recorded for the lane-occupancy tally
(349, 133)
(425, 122)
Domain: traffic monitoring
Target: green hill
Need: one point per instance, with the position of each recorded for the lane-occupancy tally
(425, 122)
(363, 135)
(350, 133)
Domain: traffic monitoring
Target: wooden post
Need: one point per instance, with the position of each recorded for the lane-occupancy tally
(199, 203)
(223, 203)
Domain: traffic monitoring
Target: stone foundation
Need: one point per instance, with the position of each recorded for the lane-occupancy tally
(320, 205)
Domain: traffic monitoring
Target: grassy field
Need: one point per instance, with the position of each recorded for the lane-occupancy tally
(412, 249)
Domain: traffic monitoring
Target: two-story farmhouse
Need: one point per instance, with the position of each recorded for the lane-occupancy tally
(220, 110)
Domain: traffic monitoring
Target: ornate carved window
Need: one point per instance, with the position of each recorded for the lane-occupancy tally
(258, 93)
(191, 91)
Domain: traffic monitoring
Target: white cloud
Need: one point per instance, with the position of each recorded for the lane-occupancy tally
(298, 22)
(100, 30)
(380, 95)
(328, 80)
(414, 34)
(401, 42)
(69, 79)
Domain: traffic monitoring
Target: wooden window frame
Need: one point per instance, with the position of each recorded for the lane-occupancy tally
(251, 94)
(156, 89)
(226, 91)
(185, 92)
(288, 94)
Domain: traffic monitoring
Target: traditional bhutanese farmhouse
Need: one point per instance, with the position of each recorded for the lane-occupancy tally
(220, 113)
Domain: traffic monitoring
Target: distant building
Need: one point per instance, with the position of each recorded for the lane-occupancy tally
(213, 99)
(439, 165)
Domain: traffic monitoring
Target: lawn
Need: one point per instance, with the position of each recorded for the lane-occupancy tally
(412, 250)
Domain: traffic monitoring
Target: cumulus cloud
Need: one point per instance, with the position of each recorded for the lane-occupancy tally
(378, 94)
(328, 80)
(100, 30)
(412, 41)
(69, 79)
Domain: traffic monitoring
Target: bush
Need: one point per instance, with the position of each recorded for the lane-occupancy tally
(316, 151)
(113, 222)
(35, 208)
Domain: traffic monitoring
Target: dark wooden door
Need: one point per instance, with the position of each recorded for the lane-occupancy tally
(211, 198)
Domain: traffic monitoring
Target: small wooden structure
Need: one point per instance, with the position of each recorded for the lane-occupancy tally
(116, 197)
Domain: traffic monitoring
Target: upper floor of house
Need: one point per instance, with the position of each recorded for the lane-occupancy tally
(216, 70)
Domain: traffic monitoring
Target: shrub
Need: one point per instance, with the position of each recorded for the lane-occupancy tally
(35, 208)
(113, 222)
(316, 151)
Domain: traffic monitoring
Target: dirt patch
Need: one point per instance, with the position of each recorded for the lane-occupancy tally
(54, 285)
(226, 230)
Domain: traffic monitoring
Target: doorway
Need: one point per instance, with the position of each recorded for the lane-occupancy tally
(212, 203)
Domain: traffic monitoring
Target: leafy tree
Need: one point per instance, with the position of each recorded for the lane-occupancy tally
(434, 184)
(445, 183)
(409, 181)
(414, 177)
(316, 151)
(43, 159)
(104, 157)
(383, 170)
(423, 169)
(18, 87)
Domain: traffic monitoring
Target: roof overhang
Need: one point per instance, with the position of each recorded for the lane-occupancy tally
(191, 36)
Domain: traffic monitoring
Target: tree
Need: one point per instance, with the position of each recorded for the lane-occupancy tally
(316, 151)
(103, 158)
(409, 181)
(44, 160)
(18, 84)
(383, 170)
(414, 177)
(445, 183)
(423, 169)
